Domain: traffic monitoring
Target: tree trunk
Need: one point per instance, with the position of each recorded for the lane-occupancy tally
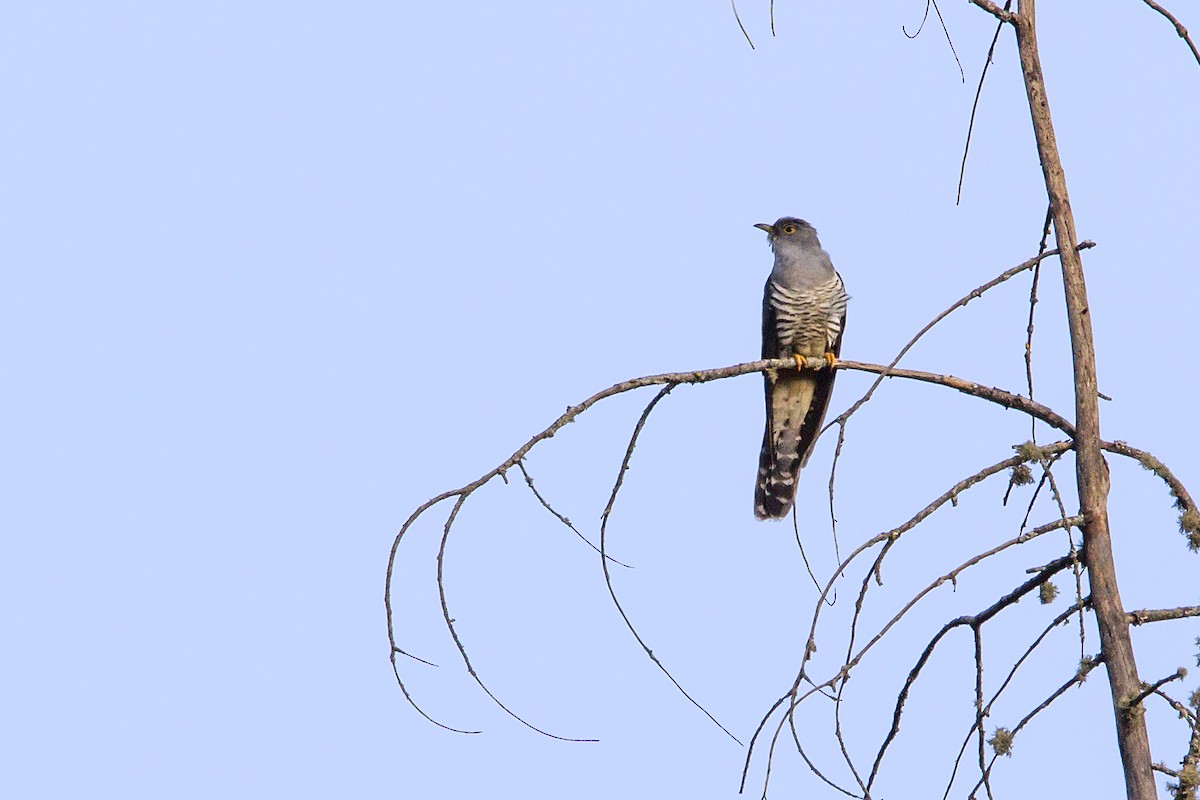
(1090, 469)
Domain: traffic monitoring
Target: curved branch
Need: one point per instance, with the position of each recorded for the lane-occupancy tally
(612, 499)
(1179, 29)
(462, 650)
(997, 396)
(1189, 517)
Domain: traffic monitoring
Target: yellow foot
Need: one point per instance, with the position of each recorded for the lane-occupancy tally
(801, 361)
(831, 360)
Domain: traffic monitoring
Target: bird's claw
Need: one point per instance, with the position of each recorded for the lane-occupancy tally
(801, 361)
(831, 360)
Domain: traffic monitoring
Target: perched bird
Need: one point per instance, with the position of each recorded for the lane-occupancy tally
(804, 313)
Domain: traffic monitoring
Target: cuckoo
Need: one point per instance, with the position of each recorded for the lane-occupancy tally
(804, 313)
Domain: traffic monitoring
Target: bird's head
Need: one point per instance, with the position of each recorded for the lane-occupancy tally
(786, 228)
(789, 234)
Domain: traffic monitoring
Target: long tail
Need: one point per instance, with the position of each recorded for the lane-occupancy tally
(796, 406)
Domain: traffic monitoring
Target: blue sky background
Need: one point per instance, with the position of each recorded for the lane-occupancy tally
(274, 274)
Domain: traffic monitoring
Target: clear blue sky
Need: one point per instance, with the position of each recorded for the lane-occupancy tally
(275, 273)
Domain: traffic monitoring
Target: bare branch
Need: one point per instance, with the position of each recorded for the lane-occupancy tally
(1185, 713)
(1179, 29)
(998, 396)
(1150, 688)
(1189, 517)
(1054, 623)
(1002, 14)
(1080, 676)
(1161, 614)
(1043, 575)
(792, 697)
(811, 765)
(842, 418)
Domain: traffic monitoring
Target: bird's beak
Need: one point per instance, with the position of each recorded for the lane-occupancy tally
(762, 226)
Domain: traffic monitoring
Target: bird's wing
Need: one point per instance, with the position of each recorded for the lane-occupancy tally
(770, 349)
(814, 418)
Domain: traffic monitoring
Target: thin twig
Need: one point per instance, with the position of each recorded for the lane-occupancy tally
(977, 631)
(1150, 688)
(1007, 680)
(1042, 483)
(462, 650)
(792, 697)
(1185, 713)
(1085, 667)
(738, 17)
(612, 499)
(921, 27)
(412, 702)
(811, 765)
(1043, 575)
(800, 545)
(1179, 29)
(946, 31)
(952, 575)
(414, 658)
(546, 505)
(1033, 300)
(837, 455)
(1076, 567)
(842, 418)
(962, 301)
(962, 170)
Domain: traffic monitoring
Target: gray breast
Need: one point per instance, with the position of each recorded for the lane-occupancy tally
(808, 321)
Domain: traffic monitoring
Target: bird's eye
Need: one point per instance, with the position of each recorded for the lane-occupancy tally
(789, 229)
